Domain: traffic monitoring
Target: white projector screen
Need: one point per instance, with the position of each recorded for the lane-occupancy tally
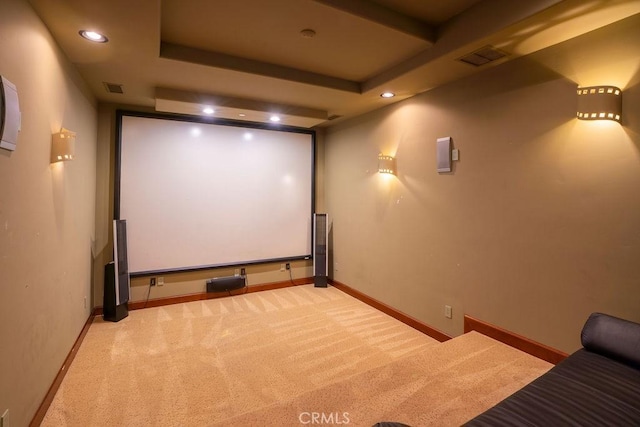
(198, 195)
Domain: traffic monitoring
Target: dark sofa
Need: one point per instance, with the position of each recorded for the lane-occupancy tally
(598, 385)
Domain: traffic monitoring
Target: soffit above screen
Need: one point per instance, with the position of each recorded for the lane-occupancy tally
(226, 107)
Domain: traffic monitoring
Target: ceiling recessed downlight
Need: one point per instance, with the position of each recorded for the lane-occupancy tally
(93, 36)
(274, 118)
(208, 110)
(387, 94)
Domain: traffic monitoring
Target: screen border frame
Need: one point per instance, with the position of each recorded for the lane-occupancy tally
(121, 113)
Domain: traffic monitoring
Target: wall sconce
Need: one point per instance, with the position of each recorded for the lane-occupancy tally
(63, 146)
(386, 164)
(600, 103)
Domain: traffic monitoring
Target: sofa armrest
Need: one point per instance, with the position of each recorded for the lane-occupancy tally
(612, 337)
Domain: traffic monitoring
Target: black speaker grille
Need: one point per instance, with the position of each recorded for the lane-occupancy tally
(320, 246)
(321, 230)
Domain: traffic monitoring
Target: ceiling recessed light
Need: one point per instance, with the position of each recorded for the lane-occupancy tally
(241, 115)
(387, 94)
(93, 36)
(274, 118)
(208, 110)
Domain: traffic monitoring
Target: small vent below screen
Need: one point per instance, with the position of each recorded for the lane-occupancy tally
(113, 88)
(483, 56)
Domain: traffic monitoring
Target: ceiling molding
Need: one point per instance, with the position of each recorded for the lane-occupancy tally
(382, 15)
(474, 26)
(341, 71)
(251, 66)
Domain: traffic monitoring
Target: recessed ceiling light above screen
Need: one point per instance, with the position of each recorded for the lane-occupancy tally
(224, 195)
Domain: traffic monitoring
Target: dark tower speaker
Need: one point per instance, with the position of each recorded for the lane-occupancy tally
(116, 277)
(320, 252)
(111, 310)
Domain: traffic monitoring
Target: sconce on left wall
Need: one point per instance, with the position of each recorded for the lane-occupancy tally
(63, 145)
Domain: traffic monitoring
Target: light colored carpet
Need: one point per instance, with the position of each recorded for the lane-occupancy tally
(280, 358)
(445, 385)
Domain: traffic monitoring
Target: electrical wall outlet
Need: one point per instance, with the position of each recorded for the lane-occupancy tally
(236, 272)
(288, 266)
(243, 271)
(152, 282)
(281, 267)
(160, 281)
(447, 311)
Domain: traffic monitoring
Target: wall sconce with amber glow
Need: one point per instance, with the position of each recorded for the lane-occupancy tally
(600, 103)
(386, 164)
(63, 146)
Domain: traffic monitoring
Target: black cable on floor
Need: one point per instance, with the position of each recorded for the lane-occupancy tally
(148, 293)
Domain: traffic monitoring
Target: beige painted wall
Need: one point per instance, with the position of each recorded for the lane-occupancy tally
(46, 215)
(537, 226)
(175, 284)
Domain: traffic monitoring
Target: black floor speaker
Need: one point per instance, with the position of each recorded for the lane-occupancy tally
(320, 250)
(113, 309)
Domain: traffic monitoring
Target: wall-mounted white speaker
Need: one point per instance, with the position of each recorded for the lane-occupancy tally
(9, 115)
(320, 250)
(444, 154)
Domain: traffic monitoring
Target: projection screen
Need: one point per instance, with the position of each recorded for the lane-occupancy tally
(198, 195)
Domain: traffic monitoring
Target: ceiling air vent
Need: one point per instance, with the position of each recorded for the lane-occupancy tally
(483, 56)
(113, 87)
